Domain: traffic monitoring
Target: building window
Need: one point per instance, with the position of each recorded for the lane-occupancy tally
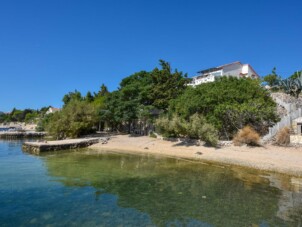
(216, 74)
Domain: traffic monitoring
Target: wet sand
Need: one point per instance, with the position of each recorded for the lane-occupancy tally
(286, 160)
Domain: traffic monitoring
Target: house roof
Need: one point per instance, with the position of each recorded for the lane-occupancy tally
(218, 67)
(222, 66)
(54, 108)
(209, 70)
(233, 63)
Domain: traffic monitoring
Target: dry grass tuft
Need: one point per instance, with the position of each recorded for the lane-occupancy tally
(247, 136)
(283, 137)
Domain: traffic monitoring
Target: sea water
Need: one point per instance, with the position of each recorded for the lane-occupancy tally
(85, 188)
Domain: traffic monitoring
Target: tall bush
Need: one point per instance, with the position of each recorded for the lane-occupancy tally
(196, 127)
(229, 104)
(76, 118)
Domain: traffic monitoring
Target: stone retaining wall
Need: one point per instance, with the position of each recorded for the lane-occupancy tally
(295, 139)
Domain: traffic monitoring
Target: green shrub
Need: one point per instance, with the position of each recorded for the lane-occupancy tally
(76, 118)
(196, 127)
(228, 104)
(200, 129)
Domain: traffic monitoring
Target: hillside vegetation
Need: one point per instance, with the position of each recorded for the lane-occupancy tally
(160, 100)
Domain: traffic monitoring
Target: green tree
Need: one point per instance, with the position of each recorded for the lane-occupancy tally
(103, 91)
(16, 115)
(3, 117)
(167, 85)
(112, 113)
(141, 93)
(75, 119)
(76, 95)
(99, 105)
(271, 78)
(31, 117)
(89, 97)
(124, 105)
(228, 104)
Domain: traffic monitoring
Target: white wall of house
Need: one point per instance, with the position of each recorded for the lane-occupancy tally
(236, 69)
(206, 78)
(247, 69)
(209, 78)
(52, 110)
(232, 70)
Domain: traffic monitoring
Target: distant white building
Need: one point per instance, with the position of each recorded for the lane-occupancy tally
(235, 69)
(52, 110)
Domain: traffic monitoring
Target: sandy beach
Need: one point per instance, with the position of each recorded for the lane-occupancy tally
(286, 160)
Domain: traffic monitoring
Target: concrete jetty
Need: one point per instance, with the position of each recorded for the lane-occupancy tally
(37, 147)
(20, 134)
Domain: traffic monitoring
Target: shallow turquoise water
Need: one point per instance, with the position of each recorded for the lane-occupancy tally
(81, 188)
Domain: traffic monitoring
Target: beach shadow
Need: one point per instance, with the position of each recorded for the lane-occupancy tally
(136, 135)
(172, 139)
(186, 143)
(99, 134)
(193, 143)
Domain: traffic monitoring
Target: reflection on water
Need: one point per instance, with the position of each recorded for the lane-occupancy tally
(110, 189)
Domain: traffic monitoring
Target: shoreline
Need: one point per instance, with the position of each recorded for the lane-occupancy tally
(282, 160)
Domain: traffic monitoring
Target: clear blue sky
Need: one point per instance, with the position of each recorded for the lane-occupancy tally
(51, 47)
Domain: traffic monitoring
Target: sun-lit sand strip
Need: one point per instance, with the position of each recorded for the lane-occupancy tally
(287, 160)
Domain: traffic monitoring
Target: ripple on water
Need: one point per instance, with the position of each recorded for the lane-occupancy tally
(79, 188)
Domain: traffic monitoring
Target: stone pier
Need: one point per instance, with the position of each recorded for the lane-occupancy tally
(37, 147)
(21, 135)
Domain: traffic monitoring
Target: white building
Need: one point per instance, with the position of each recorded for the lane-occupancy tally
(52, 110)
(235, 69)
